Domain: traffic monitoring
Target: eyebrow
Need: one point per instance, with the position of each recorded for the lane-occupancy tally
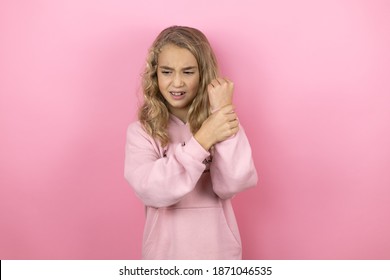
(185, 68)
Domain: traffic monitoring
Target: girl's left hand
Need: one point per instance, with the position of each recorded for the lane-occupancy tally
(218, 127)
(220, 92)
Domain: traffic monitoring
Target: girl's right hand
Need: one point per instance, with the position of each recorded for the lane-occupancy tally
(218, 127)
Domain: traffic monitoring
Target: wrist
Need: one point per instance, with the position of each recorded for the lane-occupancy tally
(203, 139)
(213, 110)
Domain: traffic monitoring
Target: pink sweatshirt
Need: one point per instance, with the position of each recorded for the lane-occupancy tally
(187, 193)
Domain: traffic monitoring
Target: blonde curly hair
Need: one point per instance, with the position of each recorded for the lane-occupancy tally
(154, 114)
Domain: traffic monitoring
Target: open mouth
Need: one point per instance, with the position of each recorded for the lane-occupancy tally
(177, 93)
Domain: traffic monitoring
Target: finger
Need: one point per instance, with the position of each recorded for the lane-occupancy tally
(215, 82)
(221, 81)
(229, 124)
(229, 83)
(227, 80)
(231, 117)
(232, 131)
(235, 130)
(233, 124)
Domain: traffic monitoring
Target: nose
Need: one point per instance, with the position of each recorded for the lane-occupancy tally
(177, 80)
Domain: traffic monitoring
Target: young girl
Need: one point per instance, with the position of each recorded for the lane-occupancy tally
(187, 156)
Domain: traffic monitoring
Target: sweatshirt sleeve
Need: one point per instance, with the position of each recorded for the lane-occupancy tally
(232, 169)
(157, 180)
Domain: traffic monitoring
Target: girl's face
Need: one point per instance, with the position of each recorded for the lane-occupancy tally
(178, 79)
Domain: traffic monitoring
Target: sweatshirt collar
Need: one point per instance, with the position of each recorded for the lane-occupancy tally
(177, 120)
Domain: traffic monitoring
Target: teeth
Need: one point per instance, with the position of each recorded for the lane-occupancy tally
(177, 93)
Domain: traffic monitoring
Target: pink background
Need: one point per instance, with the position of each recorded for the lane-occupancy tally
(312, 90)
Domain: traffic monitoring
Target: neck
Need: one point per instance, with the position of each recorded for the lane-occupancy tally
(180, 113)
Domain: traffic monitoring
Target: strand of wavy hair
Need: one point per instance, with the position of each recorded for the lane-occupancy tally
(153, 114)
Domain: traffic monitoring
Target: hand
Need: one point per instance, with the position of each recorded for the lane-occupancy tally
(220, 93)
(218, 127)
